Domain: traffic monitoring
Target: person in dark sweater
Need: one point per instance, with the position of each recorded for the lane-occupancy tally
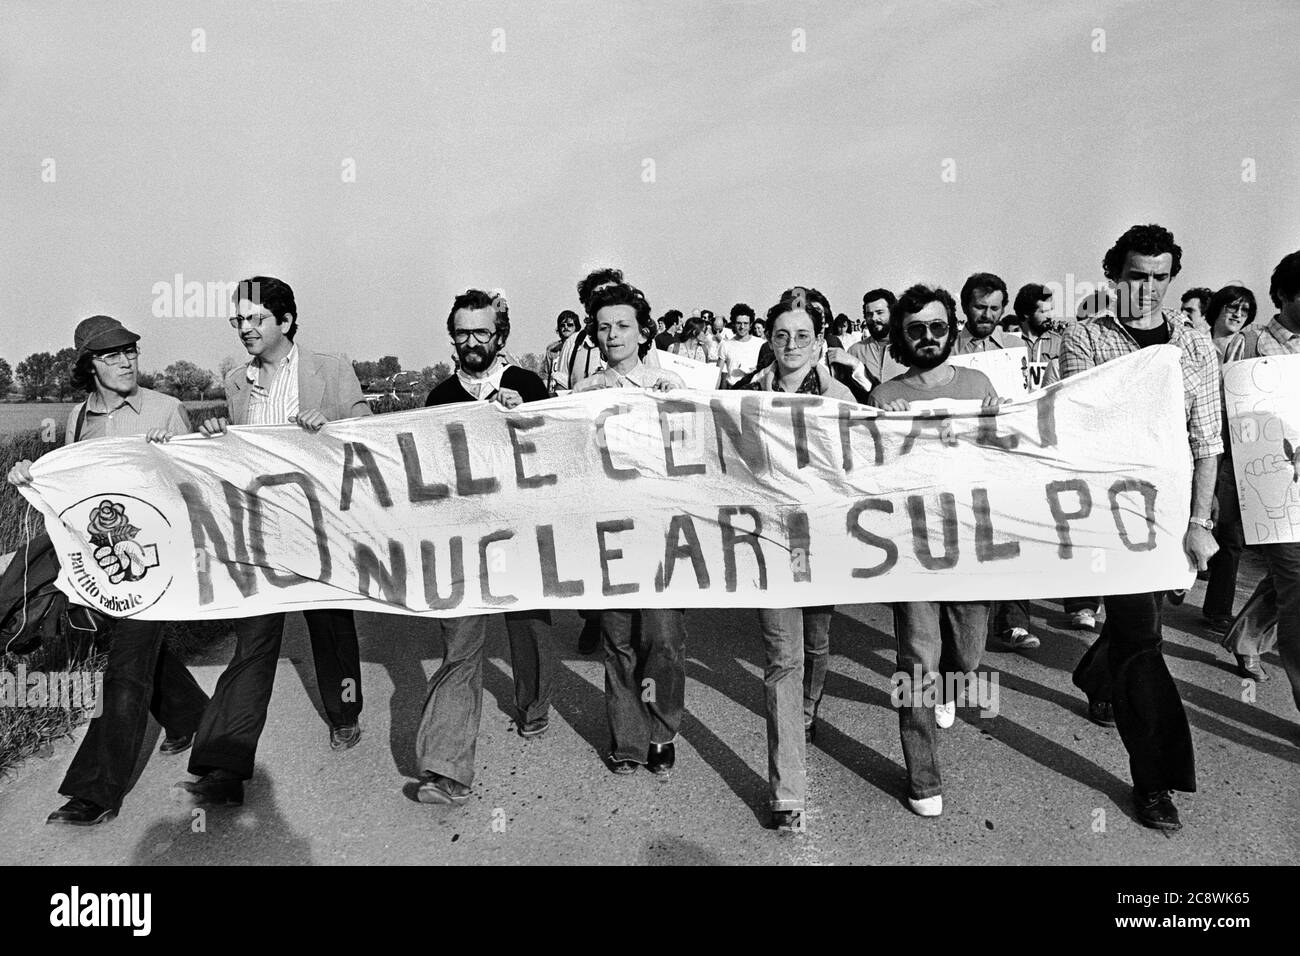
(479, 324)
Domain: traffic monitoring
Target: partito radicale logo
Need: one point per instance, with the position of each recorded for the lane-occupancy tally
(125, 567)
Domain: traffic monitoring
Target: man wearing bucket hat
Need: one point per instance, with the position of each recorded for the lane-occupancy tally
(142, 676)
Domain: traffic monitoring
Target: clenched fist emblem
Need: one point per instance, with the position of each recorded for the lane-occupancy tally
(124, 561)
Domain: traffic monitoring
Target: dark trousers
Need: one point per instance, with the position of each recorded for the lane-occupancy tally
(448, 734)
(233, 723)
(142, 677)
(1284, 567)
(1126, 666)
(1221, 589)
(1008, 615)
(645, 678)
(1076, 604)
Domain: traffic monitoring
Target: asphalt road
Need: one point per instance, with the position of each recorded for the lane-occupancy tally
(1038, 783)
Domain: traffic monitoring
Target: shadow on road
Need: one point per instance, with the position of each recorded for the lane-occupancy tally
(252, 835)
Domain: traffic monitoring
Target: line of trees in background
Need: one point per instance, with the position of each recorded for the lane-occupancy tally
(47, 376)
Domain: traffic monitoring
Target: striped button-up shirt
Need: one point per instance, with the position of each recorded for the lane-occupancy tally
(277, 403)
(1104, 338)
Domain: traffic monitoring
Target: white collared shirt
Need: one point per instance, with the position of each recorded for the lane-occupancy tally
(278, 402)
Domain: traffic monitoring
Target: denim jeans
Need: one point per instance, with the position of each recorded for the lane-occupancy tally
(784, 636)
(453, 706)
(1284, 566)
(816, 658)
(1221, 589)
(645, 678)
(1126, 666)
(142, 677)
(939, 637)
(232, 725)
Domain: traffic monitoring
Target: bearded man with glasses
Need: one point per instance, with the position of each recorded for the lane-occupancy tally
(934, 637)
(479, 324)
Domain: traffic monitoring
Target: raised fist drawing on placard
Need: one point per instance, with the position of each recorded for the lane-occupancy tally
(1271, 478)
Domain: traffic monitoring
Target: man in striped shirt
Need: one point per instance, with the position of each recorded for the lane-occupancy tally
(283, 382)
(1124, 672)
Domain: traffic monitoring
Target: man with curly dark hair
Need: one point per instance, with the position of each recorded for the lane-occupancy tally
(1124, 672)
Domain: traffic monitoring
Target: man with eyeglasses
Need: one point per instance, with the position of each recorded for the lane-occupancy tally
(931, 635)
(566, 324)
(142, 676)
(479, 324)
(283, 382)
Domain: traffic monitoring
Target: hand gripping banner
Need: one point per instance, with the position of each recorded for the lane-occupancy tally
(631, 499)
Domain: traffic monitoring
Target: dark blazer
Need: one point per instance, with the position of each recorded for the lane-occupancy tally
(325, 381)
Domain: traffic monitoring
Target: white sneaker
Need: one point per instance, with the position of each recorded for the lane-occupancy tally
(1084, 619)
(929, 807)
(1019, 639)
(945, 715)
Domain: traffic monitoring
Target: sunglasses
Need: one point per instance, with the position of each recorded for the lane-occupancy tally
(917, 330)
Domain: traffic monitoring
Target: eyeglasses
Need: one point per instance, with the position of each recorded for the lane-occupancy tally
(801, 339)
(254, 321)
(916, 330)
(481, 336)
(127, 354)
(1239, 308)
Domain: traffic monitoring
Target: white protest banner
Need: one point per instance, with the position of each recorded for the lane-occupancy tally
(694, 373)
(1262, 397)
(1006, 369)
(638, 499)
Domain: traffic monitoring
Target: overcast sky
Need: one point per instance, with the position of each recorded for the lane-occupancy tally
(520, 169)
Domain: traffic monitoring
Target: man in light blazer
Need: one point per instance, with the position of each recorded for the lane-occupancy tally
(283, 382)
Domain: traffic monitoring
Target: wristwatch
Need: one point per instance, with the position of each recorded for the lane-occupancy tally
(1206, 523)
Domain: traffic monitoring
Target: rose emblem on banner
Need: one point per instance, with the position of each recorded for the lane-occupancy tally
(122, 570)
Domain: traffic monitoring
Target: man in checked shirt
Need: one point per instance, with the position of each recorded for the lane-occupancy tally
(1124, 672)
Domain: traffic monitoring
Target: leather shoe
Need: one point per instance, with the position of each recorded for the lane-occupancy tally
(176, 745)
(1249, 666)
(81, 813)
(1216, 624)
(435, 788)
(345, 738)
(589, 639)
(662, 758)
(1156, 810)
(1101, 712)
(217, 788)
